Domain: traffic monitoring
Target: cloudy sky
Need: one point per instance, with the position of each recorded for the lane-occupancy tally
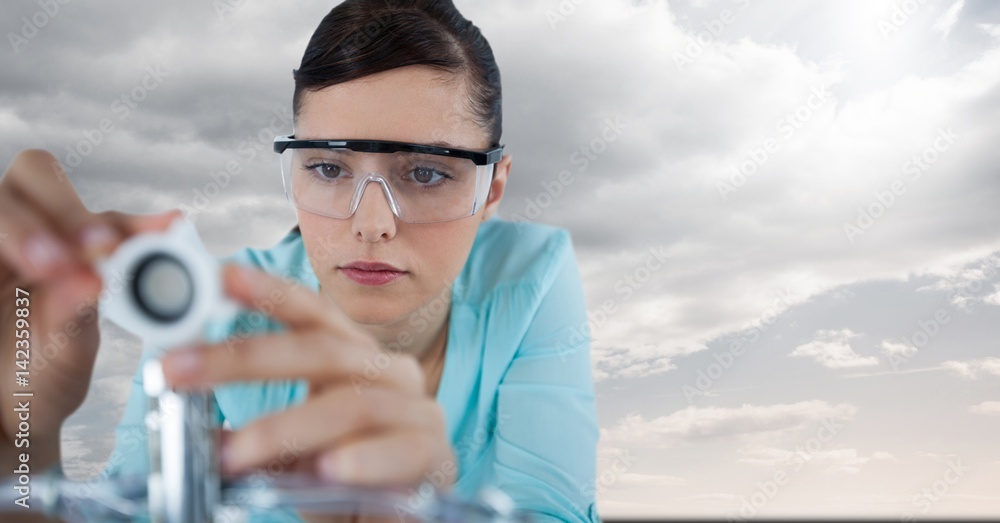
(785, 214)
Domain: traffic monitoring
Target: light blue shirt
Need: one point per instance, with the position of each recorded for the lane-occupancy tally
(516, 389)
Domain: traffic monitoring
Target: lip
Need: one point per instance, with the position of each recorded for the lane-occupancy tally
(371, 266)
(371, 272)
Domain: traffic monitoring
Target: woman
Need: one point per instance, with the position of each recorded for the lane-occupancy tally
(464, 364)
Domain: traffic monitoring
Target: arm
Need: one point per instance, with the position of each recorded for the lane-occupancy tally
(9, 458)
(546, 433)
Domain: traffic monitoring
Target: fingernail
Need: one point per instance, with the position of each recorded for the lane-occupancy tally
(185, 362)
(226, 457)
(229, 457)
(245, 275)
(337, 467)
(44, 252)
(97, 238)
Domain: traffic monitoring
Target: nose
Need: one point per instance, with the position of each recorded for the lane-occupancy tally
(373, 218)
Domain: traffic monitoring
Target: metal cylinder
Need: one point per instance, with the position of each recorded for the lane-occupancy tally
(183, 434)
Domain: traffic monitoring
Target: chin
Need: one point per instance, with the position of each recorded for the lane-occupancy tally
(368, 316)
(368, 309)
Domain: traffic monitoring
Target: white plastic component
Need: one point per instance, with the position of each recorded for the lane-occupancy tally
(152, 378)
(179, 291)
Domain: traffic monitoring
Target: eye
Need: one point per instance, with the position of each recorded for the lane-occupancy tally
(425, 176)
(324, 170)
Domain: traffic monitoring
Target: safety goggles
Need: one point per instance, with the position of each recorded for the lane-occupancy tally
(422, 183)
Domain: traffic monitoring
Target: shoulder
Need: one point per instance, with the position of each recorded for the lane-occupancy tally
(522, 254)
(287, 258)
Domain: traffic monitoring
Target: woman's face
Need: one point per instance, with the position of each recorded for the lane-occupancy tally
(408, 104)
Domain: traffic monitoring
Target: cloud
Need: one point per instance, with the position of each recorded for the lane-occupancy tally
(946, 21)
(717, 496)
(832, 349)
(991, 29)
(621, 362)
(993, 299)
(650, 480)
(846, 460)
(937, 456)
(699, 424)
(113, 390)
(778, 202)
(613, 471)
(966, 282)
(881, 454)
(77, 452)
(973, 368)
(891, 348)
(986, 408)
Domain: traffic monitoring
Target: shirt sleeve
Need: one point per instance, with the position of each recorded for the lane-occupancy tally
(546, 429)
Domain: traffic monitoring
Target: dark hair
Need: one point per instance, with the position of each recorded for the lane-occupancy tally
(358, 38)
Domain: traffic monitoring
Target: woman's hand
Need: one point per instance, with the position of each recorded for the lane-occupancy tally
(361, 430)
(48, 297)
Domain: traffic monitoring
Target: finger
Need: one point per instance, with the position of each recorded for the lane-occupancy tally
(37, 175)
(69, 313)
(286, 301)
(40, 181)
(29, 248)
(224, 437)
(316, 355)
(71, 298)
(110, 228)
(75, 293)
(323, 421)
(323, 517)
(399, 457)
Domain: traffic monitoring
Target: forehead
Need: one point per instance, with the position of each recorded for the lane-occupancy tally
(415, 104)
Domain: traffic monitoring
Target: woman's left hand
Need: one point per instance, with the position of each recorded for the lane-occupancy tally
(380, 431)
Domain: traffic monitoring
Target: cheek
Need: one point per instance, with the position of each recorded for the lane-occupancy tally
(445, 248)
(324, 239)
(315, 223)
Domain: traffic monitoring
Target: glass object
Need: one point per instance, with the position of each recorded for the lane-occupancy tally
(126, 498)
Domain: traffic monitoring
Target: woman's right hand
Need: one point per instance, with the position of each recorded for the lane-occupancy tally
(48, 242)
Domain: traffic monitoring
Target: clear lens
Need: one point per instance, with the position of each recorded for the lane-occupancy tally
(421, 188)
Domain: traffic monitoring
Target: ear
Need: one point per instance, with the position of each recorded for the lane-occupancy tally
(500, 172)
